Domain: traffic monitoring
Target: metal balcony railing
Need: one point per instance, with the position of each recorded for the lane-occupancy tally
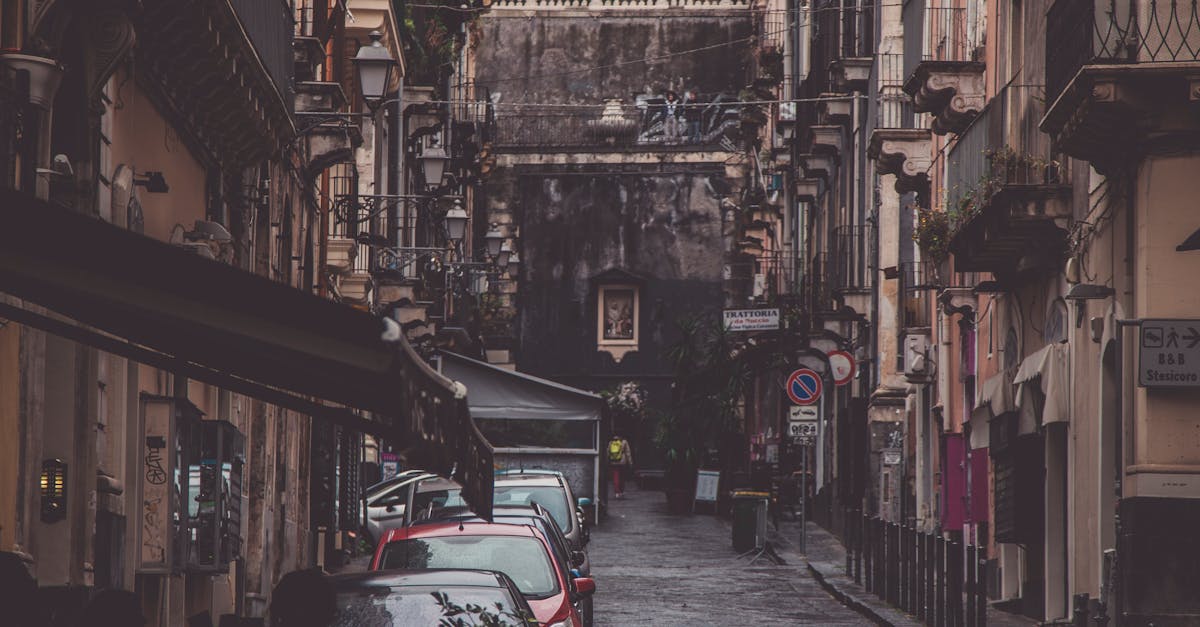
(819, 283)
(269, 27)
(937, 33)
(845, 28)
(1002, 147)
(1084, 32)
(692, 121)
(766, 278)
(772, 29)
(853, 257)
(895, 108)
(918, 284)
(304, 18)
(343, 181)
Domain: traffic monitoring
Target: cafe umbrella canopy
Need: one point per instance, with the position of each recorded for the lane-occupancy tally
(131, 295)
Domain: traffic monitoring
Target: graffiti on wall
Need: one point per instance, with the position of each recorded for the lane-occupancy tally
(672, 117)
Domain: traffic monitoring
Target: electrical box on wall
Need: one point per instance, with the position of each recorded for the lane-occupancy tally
(917, 366)
(214, 497)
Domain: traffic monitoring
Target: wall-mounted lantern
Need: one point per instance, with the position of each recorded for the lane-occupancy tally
(373, 65)
(494, 239)
(456, 222)
(54, 490)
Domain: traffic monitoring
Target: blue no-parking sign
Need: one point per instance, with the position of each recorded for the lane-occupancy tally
(804, 387)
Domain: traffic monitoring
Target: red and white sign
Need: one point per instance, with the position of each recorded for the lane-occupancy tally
(804, 387)
(841, 366)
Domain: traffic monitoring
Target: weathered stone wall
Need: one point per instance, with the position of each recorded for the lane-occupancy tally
(651, 209)
(553, 48)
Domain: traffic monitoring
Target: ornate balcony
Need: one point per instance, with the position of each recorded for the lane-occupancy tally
(944, 76)
(905, 153)
(1115, 66)
(852, 270)
(834, 109)
(1008, 197)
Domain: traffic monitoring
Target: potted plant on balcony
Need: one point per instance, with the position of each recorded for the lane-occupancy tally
(709, 379)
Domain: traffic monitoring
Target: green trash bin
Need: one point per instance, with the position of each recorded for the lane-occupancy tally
(749, 513)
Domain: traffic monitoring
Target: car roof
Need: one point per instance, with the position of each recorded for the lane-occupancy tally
(534, 480)
(508, 472)
(452, 528)
(433, 484)
(430, 577)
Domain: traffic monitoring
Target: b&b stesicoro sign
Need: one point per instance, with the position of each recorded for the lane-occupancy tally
(1169, 353)
(751, 319)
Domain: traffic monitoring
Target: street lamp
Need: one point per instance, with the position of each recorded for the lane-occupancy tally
(505, 255)
(433, 160)
(456, 222)
(494, 238)
(373, 65)
(514, 265)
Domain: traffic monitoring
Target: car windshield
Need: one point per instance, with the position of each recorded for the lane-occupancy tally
(553, 498)
(425, 605)
(522, 558)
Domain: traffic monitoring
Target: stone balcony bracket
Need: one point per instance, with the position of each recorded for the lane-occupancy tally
(355, 287)
(809, 189)
(330, 143)
(832, 112)
(826, 139)
(852, 73)
(905, 153)
(307, 54)
(959, 297)
(818, 165)
(1108, 113)
(953, 91)
(339, 254)
(319, 97)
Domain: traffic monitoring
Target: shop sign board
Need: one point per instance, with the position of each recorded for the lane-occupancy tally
(1169, 353)
(751, 319)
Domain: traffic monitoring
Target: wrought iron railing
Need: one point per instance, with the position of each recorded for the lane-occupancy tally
(937, 33)
(845, 28)
(343, 181)
(269, 27)
(1083, 32)
(772, 29)
(651, 122)
(767, 277)
(818, 285)
(918, 283)
(304, 15)
(894, 109)
(1002, 147)
(853, 257)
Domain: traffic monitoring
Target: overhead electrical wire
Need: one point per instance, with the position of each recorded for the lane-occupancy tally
(669, 55)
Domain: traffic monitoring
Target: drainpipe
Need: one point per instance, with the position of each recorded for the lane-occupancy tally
(399, 209)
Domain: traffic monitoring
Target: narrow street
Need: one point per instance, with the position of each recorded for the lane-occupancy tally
(652, 567)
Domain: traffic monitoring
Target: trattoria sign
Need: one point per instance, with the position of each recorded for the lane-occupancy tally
(751, 319)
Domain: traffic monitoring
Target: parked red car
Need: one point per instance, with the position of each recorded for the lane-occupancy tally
(519, 551)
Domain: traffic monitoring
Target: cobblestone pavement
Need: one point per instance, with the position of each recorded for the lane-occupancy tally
(653, 568)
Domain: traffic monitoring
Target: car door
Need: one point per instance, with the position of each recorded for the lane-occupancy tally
(386, 510)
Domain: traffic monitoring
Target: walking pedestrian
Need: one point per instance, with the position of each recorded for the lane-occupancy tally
(620, 460)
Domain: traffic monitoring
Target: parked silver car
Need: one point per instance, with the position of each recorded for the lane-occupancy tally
(551, 490)
(385, 503)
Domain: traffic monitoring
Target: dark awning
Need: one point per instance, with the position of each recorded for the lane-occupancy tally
(167, 307)
(494, 392)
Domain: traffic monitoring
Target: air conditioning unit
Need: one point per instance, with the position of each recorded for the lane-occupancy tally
(917, 364)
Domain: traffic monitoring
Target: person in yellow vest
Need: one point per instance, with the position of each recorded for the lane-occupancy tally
(620, 461)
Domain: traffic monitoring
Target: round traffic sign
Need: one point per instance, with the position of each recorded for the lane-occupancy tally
(804, 387)
(841, 366)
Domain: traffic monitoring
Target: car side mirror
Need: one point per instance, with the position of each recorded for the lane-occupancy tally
(577, 558)
(584, 501)
(586, 586)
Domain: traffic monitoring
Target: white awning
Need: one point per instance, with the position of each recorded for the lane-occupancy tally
(1049, 366)
(980, 434)
(996, 394)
